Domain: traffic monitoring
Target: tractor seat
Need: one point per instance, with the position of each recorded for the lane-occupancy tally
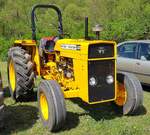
(47, 45)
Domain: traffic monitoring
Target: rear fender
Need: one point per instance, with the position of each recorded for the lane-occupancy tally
(31, 47)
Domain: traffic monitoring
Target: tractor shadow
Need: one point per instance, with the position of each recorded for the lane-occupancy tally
(72, 121)
(18, 118)
(146, 88)
(104, 111)
(30, 98)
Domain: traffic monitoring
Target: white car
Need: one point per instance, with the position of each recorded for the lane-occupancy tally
(134, 57)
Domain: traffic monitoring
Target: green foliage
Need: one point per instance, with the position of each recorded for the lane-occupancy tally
(4, 46)
(121, 19)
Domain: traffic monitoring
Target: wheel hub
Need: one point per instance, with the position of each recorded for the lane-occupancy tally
(121, 94)
(44, 106)
(12, 76)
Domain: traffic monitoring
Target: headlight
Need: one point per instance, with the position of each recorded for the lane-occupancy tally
(109, 79)
(93, 81)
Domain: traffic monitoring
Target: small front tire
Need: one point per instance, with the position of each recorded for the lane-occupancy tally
(51, 105)
(129, 93)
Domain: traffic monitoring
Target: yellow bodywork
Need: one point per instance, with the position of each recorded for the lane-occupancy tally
(77, 86)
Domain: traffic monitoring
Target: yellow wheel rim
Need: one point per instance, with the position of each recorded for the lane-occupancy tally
(121, 94)
(12, 76)
(44, 106)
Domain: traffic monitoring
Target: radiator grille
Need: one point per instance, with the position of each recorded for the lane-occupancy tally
(100, 70)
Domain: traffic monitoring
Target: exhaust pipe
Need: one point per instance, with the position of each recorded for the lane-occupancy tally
(86, 28)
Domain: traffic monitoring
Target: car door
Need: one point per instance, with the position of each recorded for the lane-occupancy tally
(142, 66)
(127, 55)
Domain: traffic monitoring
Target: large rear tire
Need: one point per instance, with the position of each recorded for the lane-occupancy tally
(20, 74)
(51, 105)
(129, 93)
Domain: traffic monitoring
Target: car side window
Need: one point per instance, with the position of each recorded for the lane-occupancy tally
(127, 50)
(144, 51)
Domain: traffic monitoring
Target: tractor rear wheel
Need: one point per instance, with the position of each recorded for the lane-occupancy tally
(51, 105)
(20, 74)
(129, 93)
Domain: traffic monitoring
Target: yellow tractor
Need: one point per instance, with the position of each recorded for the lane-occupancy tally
(69, 68)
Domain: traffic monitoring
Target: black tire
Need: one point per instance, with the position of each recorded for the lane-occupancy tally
(1, 92)
(1, 83)
(134, 93)
(56, 105)
(24, 74)
(1, 98)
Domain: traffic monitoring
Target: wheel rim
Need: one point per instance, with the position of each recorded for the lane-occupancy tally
(121, 94)
(44, 106)
(12, 76)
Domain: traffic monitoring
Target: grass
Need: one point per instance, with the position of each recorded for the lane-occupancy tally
(82, 119)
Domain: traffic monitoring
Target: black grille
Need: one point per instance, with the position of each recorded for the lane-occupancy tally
(100, 70)
(101, 50)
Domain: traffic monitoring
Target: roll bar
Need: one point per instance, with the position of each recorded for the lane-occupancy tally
(54, 7)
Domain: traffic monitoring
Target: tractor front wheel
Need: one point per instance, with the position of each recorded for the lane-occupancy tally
(20, 74)
(51, 105)
(129, 93)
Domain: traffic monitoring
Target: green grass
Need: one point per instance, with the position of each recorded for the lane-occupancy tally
(82, 119)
